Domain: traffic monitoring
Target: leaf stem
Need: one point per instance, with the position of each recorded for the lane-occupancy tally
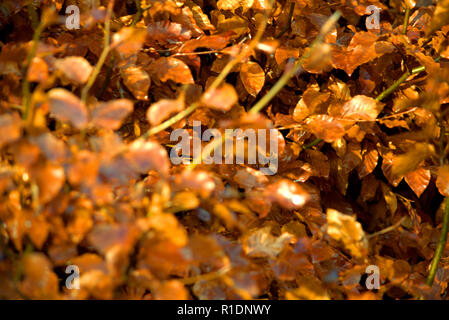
(440, 245)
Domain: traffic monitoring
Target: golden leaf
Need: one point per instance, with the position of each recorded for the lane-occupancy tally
(349, 231)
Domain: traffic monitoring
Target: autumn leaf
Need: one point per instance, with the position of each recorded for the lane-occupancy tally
(325, 127)
(253, 77)
(346, 229)
(440, 17)
(75, 69)
(362, 108)
(148, 155)
(418, 180)
(109, 115)
(288, 194)
(38, 70)
(65, 106)
(410, 160)
(129, 40)
(161, 110)
(222, 98)
(10, 128)
(443, 180)
(137, 81)
(173, 69)
(261, 243)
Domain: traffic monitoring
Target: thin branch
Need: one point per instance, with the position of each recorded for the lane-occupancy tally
(26, 93)
(398, 82)
(382, 95)
(440, 245)
(138, 15)
(280, 83)
(103, 56)
(289, 22)
(220, 78)
(293, 71)
(386, 230)
(406, 19)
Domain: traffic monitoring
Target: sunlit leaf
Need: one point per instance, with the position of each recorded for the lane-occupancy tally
(349, 231)
(65, 106)
(110, 114)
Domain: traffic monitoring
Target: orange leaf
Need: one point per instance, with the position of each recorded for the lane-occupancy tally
(162, 109)
(137, 81)
(109, 115)
(171, 69)
(253, 77)
(75, 69)
(222, 98)
(325, 127)
(362, 108)
(418, 180)
(443, 180)
(65, 106)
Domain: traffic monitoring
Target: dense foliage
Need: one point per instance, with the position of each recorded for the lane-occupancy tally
(86, 178)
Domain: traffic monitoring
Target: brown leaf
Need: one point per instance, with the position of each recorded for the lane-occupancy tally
(109, 115)
(443, 180)
(325, 127)
(418, 180)
(410, 160)
(288, 194)
(49, 178)
(253, 77)
(161, 110)
(362, 108)
(137, 81)
(65, 106)
(75, 69)
(440, 17)
(38, 70)
(10, 128)
(129, 40)
(222, 98)
(171, 69)
(369, 161)
(148, 155)
(167, 32)
(261, 243)
(348, 230)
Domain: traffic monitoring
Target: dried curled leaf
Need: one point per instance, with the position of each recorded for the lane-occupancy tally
(348, 230)
(261, 243)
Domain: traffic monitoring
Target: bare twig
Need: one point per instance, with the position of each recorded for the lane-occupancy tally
(440, 245)
(103, 56)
